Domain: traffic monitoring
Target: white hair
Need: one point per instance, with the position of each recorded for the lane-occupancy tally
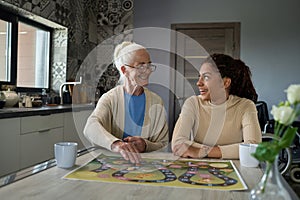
(123, 54)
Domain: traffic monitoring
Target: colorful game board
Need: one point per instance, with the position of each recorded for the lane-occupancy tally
(219, 175)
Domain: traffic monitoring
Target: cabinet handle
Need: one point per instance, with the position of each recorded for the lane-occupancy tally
(44, 130)
(45, 114)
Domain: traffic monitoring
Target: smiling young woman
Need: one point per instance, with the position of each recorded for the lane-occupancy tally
(214, 123)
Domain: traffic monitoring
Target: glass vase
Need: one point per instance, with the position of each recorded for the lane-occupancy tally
(270, 186)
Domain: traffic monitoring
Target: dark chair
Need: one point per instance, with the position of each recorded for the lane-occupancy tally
(263, 115)
(295, 150)
(267, 128)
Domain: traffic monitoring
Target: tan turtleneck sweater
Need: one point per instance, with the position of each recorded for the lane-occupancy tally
(226, 125)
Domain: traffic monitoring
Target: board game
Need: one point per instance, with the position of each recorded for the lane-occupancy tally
(205, 174)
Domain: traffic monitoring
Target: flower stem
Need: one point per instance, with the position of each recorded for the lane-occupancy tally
(268, 169)
(277, 127)
(282, 127)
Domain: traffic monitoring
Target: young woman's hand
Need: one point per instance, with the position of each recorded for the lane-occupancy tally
(188, 151)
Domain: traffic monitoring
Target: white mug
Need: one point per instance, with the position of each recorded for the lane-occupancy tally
(246, 159)
(65, 154)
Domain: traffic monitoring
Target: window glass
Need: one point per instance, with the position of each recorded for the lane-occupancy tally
(33, 56)
(5, 50)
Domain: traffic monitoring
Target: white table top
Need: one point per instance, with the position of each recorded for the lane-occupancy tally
(49, 184)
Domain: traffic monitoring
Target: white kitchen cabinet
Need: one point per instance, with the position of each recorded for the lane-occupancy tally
(9, 145)
(29, 140)
(74, 123)
(38, 136)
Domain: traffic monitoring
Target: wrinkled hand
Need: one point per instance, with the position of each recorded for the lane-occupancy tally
(127, 150)
(138, 142)
(187, 151)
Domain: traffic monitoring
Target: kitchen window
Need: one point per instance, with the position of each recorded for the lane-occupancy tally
(7, 28)
(25, 52)
(5, 43)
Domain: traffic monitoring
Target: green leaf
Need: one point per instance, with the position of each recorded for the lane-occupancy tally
(267, 151)
(287, 137)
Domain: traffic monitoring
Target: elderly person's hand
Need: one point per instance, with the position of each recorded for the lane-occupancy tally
(189, 151)
(127, 150)
(138, 142)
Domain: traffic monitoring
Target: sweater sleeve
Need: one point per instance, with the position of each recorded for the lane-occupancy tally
(160, 142)
(185, 123)
(156, 132)
(250, 130)
(99, 126)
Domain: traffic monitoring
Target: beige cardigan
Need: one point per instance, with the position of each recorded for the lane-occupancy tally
(106, 123)
(225, 125)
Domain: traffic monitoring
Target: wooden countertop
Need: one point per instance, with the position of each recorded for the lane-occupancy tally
(49, 184)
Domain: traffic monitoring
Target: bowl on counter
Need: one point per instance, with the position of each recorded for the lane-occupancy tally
(37, 103)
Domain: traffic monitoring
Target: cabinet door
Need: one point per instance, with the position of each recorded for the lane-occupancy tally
(38, 146)
(41, 123)
(74, 123)
(9, 145)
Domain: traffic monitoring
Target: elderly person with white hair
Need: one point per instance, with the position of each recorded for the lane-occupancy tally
(129, 119)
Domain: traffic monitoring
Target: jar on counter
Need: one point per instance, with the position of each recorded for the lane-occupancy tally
(11, 98)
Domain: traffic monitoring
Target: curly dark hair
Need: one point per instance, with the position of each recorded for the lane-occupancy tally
(238, 72)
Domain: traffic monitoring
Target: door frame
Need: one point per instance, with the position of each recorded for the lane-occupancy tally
(190, 26)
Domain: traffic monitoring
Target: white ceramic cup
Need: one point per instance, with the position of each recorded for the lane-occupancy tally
(246, 159)
(65, 154)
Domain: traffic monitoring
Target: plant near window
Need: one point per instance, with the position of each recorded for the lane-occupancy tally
(285, 113)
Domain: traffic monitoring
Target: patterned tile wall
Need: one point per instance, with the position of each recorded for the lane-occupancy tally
(89, 23)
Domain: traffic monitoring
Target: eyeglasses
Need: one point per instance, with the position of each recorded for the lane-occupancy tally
(143, 67)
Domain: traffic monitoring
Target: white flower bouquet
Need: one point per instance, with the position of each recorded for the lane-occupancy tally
(284, 115)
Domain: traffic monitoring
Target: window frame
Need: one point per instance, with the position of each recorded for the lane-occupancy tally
(14, 44)
(15, 19)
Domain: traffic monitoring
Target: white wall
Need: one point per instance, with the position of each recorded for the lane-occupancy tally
(270, 36)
